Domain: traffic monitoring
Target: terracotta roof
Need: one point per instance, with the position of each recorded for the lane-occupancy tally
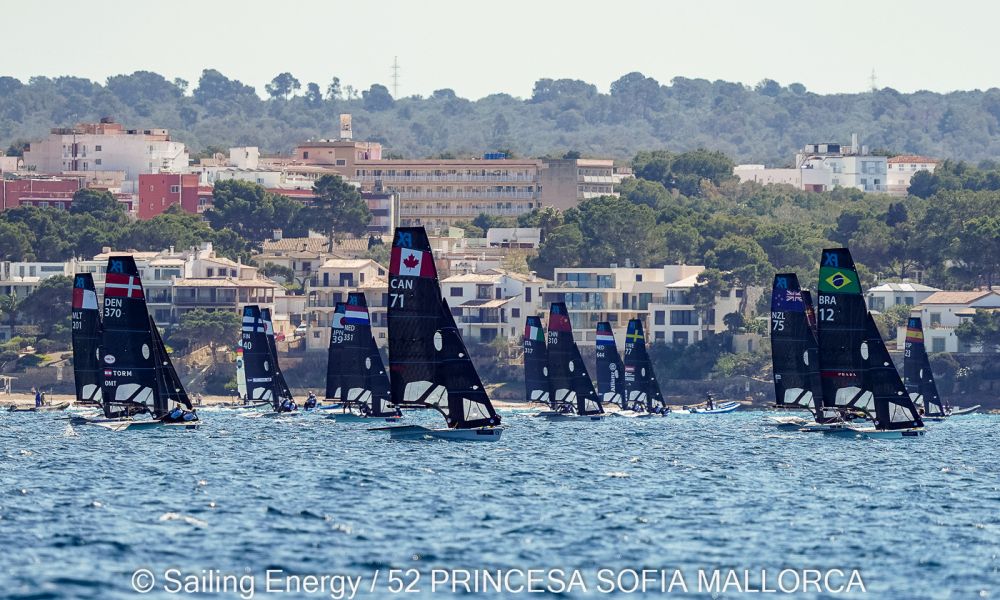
(912, 158)
(347, 263)
(228, 282)
(474, 278)
(309, 244)
(955, 297)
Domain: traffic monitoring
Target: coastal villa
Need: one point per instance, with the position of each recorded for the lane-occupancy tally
(942, 312)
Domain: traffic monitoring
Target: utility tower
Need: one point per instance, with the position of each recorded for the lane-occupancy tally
(395, 77)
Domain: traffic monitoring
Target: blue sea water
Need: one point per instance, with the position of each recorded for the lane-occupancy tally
(81, 509)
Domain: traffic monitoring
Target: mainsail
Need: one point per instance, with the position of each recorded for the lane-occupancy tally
(917, 371)
(86, 339)
(807, 300)
(641, 387)
(364, 380)
(131, 383)
(335, 355)
(610, 370)
(571, 386)
(172, 391)
(272, 346)
(841, 319)
(536, 380)
(893, 407)
(241, 374)
(794, 351)
(257, 362)
(430, 364)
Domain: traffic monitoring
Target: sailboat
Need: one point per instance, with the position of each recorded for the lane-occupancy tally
(364, 382)
(572, 394)
(536, 359)
(841, 332)
(794, 352)
(429, 364)
(610, 369)
(641, 388)
(258, 364)
(86, 340)
(917, 373)
(241, 374)
(139, 377)
(895, 414)
(334, 359)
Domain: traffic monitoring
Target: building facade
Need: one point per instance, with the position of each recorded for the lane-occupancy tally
(567, 182)
(942, 312)
(884, 296)
(902, 168)
(107, 146)
(330, 283)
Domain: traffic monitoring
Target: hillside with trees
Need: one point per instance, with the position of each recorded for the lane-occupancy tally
(763, 123)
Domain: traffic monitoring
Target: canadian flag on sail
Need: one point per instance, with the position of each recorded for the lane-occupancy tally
(407, 262)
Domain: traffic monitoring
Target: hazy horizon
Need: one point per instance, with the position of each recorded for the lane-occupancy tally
(478, 50)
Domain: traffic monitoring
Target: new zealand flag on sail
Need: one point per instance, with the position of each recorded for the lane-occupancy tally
(786, 295)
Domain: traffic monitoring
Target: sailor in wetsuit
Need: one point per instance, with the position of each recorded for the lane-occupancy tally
(311, 401)
(288, 405)
(178, 415)
(710, 401)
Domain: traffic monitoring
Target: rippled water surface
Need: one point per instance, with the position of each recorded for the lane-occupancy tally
(81, 509)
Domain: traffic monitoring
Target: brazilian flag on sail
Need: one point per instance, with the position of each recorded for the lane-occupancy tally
(837, 274)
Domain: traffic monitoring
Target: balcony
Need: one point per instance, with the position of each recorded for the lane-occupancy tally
(205, 301)
(447, 178)
(410, 211)
(428, 195)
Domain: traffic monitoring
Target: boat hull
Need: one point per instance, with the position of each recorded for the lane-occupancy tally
(814, 427)
(419, 433)
(356, 418)
(558, 416)
(956, 412)
(721, 408)
(788, 422)
(46, 408)
(130, 425)
(887, 434)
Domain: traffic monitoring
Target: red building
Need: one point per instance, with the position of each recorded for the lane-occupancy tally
(53, 192)
(158, 192)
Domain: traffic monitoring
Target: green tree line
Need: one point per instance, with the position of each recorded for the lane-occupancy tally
(767, 122)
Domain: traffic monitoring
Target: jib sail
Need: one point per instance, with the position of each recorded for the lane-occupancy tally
(917, 372)
(893, 407)
(428, 362)
(610, 370)
(365, 382)
(536, 380)
(86, 339)
(841, 313)
(272, 346)
(570, 383)
(794, 351)
(335, 355)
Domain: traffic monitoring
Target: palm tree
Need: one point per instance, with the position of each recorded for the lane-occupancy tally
(10, 306)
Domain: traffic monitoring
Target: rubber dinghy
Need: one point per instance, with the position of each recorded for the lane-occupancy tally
(917, 374)
(262, 385)
(794, 352)
(363, 382)
(138, 375)
(429, 364)
(571, 392)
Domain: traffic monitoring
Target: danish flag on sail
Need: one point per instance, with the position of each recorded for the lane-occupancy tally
(121, 285)
(407, 262)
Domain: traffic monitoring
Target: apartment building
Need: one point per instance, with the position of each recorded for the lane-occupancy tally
(493, 303)
(902, 168)
(439, 193)
(107, 146)
(661, 297)
(330, 283)
(566, 182)
(160, 191)
(942, 312)
(824, 166)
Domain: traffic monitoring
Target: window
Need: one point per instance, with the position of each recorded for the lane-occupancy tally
(659, 317)
(341, 162)
(316, 335)
(515, 313)
(97, 161)
(305, 155)
(680, 337)
(659, 337)
(175, 189)
(346, 280)
(209, 272)
(935, 319)
(739, 292)
(638, 277)
(683, 317)
(455, 292)
(937, 344)
(527, 294)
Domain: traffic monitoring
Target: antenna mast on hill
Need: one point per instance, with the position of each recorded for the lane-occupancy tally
(874, 81)
(395, 77)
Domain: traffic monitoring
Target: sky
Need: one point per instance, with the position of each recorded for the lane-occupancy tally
(479, 48)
